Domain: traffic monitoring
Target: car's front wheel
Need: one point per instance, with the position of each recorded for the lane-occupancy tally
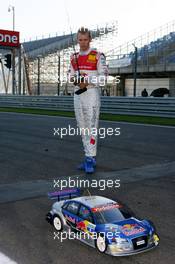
(57, 223)
(101, 244)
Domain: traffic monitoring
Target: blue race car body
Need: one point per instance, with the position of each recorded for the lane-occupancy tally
(102, 223)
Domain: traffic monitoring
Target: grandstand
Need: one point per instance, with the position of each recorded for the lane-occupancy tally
(45, 60)
(44, 47)
(51, 50)
(156, 52)
(155, 61)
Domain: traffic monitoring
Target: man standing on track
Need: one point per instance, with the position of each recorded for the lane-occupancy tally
(88, 66)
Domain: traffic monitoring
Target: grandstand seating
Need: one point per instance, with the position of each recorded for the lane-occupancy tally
(160, 51)
(49, 45)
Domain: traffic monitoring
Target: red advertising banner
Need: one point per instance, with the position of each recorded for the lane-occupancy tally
(9, 38)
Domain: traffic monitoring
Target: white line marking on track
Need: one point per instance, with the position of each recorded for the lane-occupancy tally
(6, 260)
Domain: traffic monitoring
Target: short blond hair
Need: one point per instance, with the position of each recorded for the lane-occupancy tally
(84, 30)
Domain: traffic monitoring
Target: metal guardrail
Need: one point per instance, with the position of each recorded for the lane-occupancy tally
(149, 106)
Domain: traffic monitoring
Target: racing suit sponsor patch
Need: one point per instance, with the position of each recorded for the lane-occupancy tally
(92, 141)
(92, 58)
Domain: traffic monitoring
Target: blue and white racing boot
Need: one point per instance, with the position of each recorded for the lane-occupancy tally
(89, 165)
(82, 165)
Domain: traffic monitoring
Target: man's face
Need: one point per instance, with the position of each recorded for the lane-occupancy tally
(84, 41)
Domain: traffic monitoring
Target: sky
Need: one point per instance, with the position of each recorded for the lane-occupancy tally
(38, 18)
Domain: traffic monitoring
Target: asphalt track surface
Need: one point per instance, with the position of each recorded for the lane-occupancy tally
(31, 157)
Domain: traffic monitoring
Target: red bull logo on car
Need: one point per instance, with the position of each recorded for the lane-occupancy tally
(131, 229)
(86, 226)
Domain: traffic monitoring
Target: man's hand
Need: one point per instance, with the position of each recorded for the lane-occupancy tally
(72, 79)
(83, 85)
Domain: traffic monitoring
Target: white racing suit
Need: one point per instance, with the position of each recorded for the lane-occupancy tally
(92, 65)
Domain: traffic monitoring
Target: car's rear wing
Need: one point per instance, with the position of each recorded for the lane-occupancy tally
(64, 194)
